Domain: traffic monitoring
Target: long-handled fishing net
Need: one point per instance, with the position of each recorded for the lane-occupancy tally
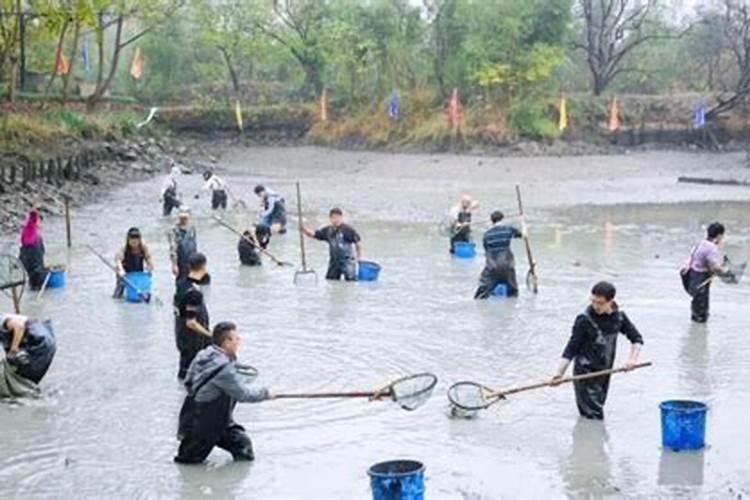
(253, 242)
(304, 271)
(467, 398)
(732, 274)
(409, 392)
(13, 277)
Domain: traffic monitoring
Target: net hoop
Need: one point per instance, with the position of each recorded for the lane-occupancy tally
(453, 398)
(424, 392)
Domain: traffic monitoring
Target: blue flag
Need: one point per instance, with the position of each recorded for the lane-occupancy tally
(699, 115)
(85, 59)
(393, 106)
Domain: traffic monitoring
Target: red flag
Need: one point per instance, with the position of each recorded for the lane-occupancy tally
(614, 115)
(324, 105)
(454, 109)
(136, 69)
(62, 66)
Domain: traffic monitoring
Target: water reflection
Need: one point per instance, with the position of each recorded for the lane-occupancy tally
(694, 361)
(588, 468)
(681, 468)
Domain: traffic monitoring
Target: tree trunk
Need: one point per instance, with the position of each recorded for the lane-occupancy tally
(232, 72)
(73, 54)
(13, 57)
(22, 53)
(101, 87)
(58, 54)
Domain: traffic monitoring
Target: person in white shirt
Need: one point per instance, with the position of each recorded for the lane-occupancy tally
(218, 190)
(170, 197)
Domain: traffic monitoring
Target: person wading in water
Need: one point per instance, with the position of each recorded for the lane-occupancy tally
(32, 250)
(134, 257)
(218, 189)
(169, 196)
(30, 345)
(501, 265)
(705, 261)
(345, 247)
(461, 225)
(214, 388)
(183, 242)
(592, 347)
(247, 247)
(273, 209)
(191, 315)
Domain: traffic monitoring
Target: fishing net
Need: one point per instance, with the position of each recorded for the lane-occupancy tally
(734, 272)
(12, 272)
(412, 392)
(469, 397)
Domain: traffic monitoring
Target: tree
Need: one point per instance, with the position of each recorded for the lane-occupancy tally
(736, 21)
(611, 30)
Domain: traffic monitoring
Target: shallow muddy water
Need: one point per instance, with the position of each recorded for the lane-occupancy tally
(105, 426)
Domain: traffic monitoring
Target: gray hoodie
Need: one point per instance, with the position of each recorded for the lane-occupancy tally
(226, 381)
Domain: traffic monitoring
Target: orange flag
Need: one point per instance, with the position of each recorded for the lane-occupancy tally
(614, 115)
(324, 105)
(136, 68)
(62, 65)
(454, 109)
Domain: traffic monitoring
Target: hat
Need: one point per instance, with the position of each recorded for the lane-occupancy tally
(134, 232)
(184, 211)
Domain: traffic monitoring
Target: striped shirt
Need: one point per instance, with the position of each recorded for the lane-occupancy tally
(497, 238)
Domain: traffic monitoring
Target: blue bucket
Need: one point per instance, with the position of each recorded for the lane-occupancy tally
(501, 290)
(56, 278)
(140, 280)
(397, 480)
(683, 425)
(368, 271)
(464, 250)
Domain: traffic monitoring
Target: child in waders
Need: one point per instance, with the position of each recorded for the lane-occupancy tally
(218, 190)
(592, 347)
(214, 387)
(169, 195)
(272, 209)
(461, 215)
(32, 250)
(344, 243)
(183, 242)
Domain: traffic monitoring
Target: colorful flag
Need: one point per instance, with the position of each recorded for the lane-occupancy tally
(614, 115)
(324, 105)
(136, 68)
(85, 58)
(563, 121)
(454, 109)
(393, 106)
(62, 66)
(238, 114)
(699, 114)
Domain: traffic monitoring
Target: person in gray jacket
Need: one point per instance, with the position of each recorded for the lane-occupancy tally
(214, 387)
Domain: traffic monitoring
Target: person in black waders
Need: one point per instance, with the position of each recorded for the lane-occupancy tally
(500, 266)
(345, 247)
(29, 343)
(134, 257)
(218, 190)
(592, 347)
(169, 195)
(214, 388)
(183, 242)
(247, 248)
(191, 315)
(461, 226)
(704, 263)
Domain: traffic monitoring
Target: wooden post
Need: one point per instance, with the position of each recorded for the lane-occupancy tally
(16, 300)
(67, 218)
